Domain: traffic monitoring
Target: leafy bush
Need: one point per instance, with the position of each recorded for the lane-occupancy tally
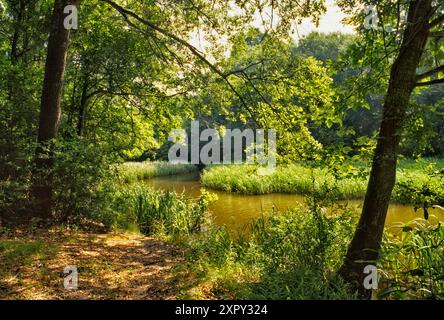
(423, 189)
(13, 199)
(300, 252)
(83, 182)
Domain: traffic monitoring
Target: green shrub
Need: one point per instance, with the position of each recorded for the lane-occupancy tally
(423, 188)
(291, 255)
(83, 182)
(13, 199)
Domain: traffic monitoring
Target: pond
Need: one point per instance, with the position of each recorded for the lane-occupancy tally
(236, 211)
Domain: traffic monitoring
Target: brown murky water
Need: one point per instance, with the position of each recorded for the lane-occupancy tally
(235, 210)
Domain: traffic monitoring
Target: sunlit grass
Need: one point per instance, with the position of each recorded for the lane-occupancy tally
(133, 171)
(413, 177)
(160, 213)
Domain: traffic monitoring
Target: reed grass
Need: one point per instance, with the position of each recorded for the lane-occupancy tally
(412, 263)
(133, 171)
(164, 213)
(290, 255)
(414, 179)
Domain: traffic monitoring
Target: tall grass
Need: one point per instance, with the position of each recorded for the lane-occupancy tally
(163, 213)
(286, 179)
(414, 180)
(420, 183)
(133, 171)
(291, 255)
(283, 255)
(412, 264)
(295, 255)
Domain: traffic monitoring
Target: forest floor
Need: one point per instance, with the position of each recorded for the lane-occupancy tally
(110, 266)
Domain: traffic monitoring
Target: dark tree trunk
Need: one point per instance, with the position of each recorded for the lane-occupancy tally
(82, 108)
(365, 245)
(50, 111)
(17, 28)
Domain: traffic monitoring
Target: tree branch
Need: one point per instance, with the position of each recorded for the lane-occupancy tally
(429, 83)
(437, 22)
(436, 34)
(430, 73)
(127, 13)
(242, 71)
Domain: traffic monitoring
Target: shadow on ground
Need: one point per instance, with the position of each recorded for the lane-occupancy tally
(110, 266)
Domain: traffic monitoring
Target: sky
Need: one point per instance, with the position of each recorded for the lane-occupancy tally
(330, 22)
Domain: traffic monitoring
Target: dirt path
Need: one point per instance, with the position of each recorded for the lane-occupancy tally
(110, 266)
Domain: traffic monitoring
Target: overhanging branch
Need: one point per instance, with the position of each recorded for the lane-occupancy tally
(429, 83)
(430, 73)
(436, 34)
(439, 20)
(127, 13)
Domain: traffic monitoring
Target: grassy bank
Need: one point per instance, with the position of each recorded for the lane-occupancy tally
(295, 256)
(133, 261)
(285, 255)
(417, 181)
(291, 255)
(177, 252)
(156, 212)
(133, 171)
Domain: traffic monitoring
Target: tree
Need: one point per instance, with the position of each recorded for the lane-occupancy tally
(423, 17)
(165, 26)
(216, 18)
(50, 109)
(323, 46)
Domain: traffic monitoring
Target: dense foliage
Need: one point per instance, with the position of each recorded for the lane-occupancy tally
(136, 70)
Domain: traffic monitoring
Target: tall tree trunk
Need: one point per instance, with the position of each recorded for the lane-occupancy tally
(82, 107)
(50, 111)
(17, 30)
(364, 248)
